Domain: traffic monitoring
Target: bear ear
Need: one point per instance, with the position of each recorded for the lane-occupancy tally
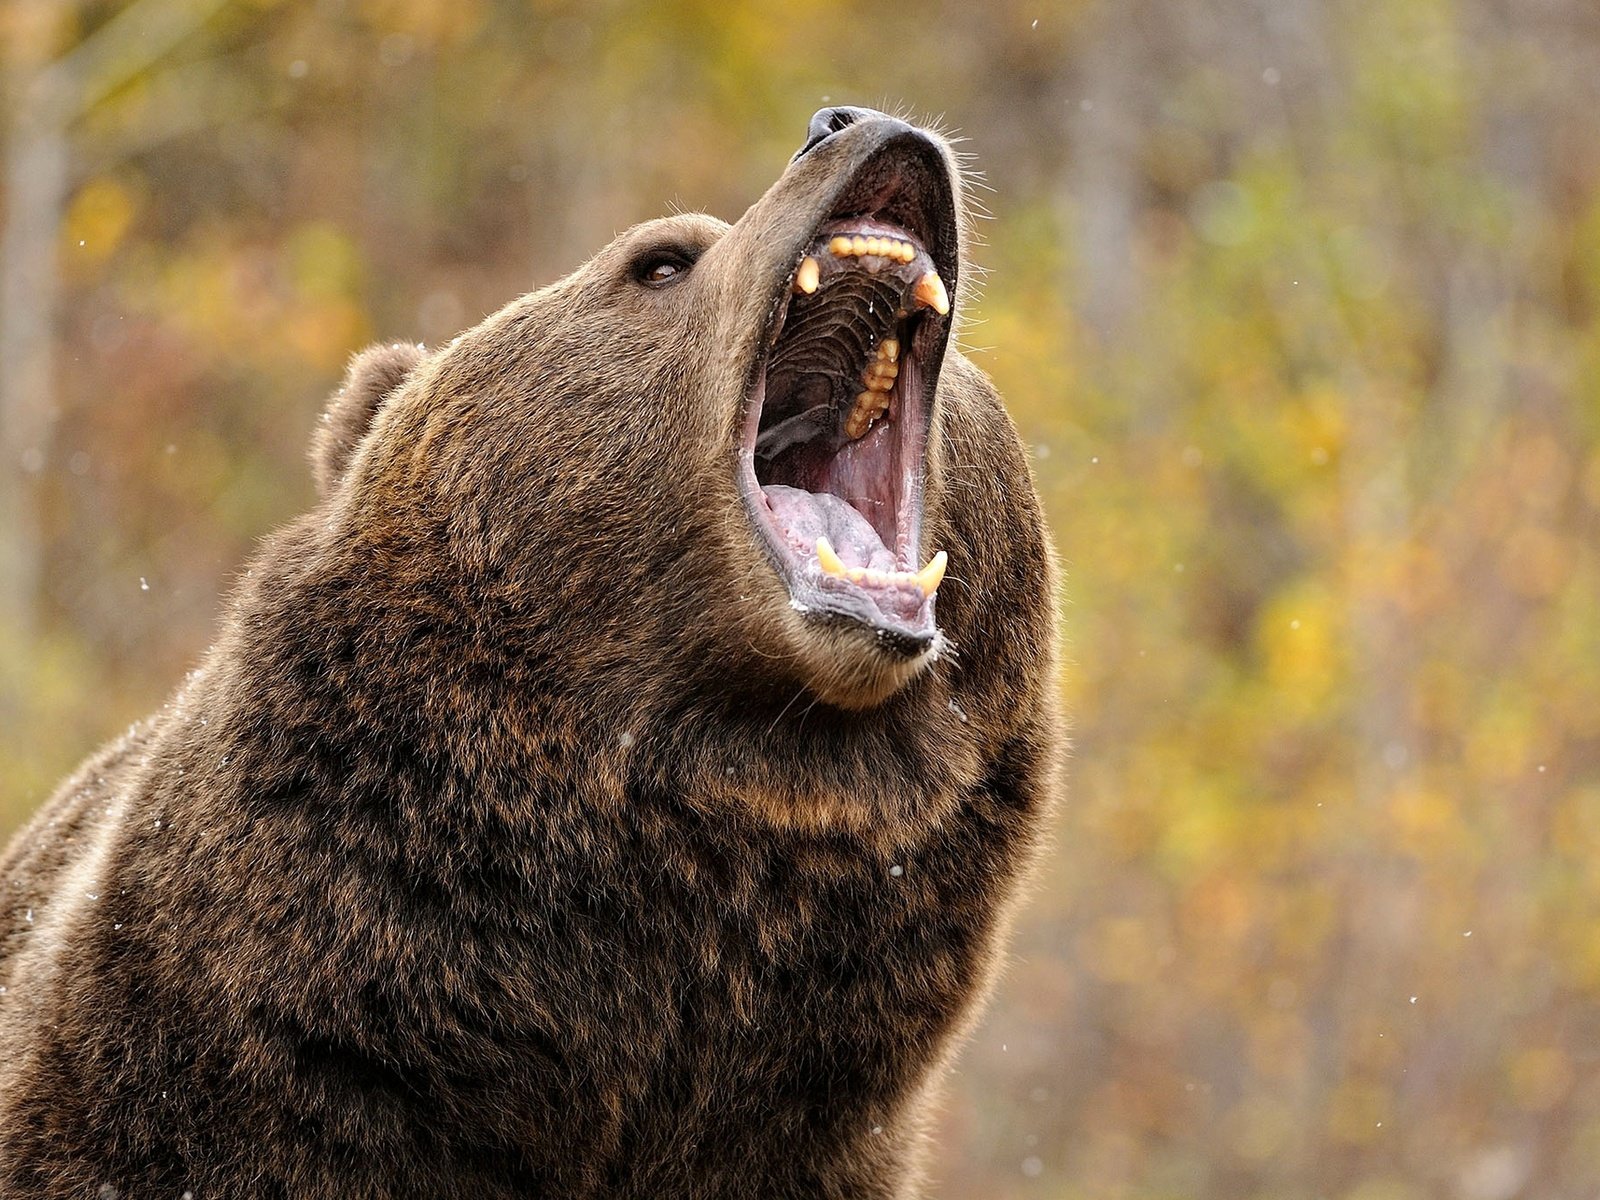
(373, 374)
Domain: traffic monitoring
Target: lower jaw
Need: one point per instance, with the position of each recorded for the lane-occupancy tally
(848, 665)
(893, 602)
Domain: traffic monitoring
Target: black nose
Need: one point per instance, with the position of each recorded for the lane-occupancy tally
(829, 121)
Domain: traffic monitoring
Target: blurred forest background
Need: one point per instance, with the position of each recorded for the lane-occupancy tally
(1298, 304)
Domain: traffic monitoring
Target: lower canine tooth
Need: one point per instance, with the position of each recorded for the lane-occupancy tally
(929, 578)
(930, 293)
(805, 279)
(828, 560)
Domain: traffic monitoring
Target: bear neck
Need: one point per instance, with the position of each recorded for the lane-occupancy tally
(479, 721)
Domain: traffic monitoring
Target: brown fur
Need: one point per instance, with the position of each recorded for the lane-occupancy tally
(372, 376)
(501, 845)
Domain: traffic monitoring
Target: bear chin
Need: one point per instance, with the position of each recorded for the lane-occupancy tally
(851, 665)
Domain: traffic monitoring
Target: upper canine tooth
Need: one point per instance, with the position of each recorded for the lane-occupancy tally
(929, 578)
(930, 293)
(828, 560)
(805, 279)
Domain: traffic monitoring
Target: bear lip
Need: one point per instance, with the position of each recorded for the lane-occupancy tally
(805, 472)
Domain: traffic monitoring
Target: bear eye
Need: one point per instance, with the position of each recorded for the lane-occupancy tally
(663, 265)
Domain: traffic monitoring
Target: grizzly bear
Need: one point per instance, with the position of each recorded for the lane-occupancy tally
(616, 786)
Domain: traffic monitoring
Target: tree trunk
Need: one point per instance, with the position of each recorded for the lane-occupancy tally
(36, 192)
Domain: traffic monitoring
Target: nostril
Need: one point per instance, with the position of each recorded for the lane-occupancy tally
(829, 121)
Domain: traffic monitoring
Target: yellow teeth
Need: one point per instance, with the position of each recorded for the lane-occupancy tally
(932, 575)
(879, 377)
(927, 579)
(870, 405)
(930, 293)
(828, 560)
(880, 374)
(805, 279)
(881, 247)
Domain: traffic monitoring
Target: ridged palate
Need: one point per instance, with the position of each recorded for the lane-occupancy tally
(829, 336)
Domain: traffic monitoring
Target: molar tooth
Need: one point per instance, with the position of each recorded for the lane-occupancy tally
(839, 247)
(930, 293)
(805, 279)
(858, 245)
(889, 349)
(828, 560)
(907, 251)
(861, 416)
(929, 578)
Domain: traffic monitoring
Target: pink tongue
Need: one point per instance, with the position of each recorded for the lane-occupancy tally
(805, 516)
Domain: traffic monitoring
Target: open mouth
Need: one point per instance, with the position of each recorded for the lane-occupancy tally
(836, 429)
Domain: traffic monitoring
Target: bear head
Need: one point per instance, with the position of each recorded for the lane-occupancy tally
(730, 451)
